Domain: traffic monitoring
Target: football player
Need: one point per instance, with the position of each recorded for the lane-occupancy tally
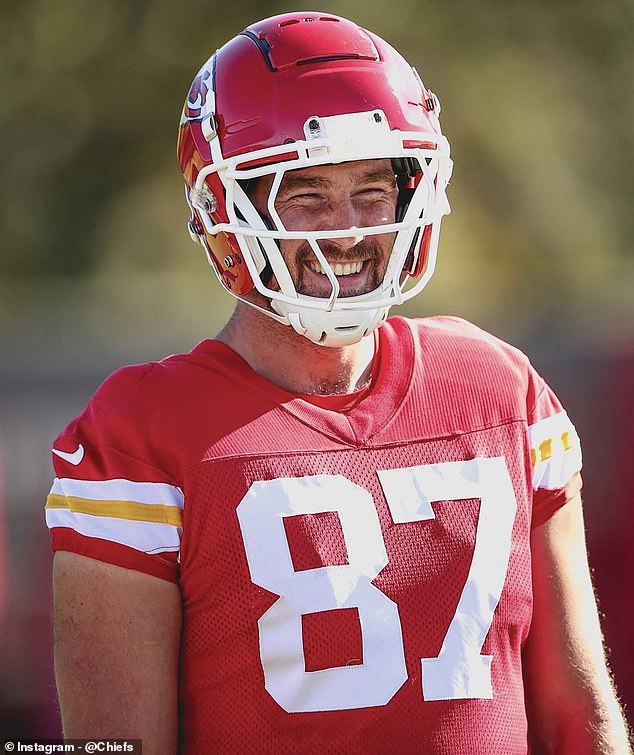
(325, 530)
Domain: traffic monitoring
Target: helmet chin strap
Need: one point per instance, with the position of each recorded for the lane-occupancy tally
(334, 328)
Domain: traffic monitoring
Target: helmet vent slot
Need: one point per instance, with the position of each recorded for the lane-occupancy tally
(328, 58)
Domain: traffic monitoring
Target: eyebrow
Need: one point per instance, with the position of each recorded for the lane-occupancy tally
(292, 182)
(380, 174)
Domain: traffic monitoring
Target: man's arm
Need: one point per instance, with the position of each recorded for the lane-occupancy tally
(571, 703)
(117, 637)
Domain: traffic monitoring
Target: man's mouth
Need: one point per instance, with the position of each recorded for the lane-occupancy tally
(338, 268)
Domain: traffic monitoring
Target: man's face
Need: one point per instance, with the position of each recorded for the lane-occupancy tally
(334, 197)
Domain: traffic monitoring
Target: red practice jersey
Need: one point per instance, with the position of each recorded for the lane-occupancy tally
(355, 572)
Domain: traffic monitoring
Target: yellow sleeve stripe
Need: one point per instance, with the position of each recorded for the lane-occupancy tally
(555, 452)
(132, 510)
(545, 451)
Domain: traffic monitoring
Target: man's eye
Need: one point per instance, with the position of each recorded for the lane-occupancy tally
(306, 197)
(374, 192)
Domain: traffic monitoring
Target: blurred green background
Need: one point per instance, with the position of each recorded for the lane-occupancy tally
(97, 268)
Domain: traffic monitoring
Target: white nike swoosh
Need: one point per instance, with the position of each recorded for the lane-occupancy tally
(74, 458)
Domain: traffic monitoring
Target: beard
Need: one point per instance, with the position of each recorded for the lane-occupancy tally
(368, 250)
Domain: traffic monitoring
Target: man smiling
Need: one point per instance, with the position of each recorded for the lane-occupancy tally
(325, 530)
(350, 195)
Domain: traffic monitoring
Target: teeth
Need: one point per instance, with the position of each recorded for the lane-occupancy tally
(338, 268)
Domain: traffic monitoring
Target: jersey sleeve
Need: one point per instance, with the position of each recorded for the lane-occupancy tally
(555, 451)
(110, 499)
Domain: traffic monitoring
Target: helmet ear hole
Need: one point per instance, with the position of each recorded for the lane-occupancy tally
(266, 274)
(420, 261)
(260, 257)
(404, 198)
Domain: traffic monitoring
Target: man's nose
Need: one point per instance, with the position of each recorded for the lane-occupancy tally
(343, 215)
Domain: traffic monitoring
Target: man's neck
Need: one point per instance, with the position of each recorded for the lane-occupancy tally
(290, 361)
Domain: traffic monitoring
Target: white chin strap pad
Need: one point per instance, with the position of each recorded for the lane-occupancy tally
(336, 328)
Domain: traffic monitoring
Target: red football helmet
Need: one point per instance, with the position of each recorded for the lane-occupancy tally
(298, 90)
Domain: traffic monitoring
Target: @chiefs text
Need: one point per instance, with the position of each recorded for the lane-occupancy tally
(90, 746)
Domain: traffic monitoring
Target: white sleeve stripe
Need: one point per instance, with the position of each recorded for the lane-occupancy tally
(147, 537)
(119, 490)
(555, 451)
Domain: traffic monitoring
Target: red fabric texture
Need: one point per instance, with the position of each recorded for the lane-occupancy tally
(444, 392)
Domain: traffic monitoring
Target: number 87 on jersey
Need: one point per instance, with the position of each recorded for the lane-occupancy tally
(460, 670)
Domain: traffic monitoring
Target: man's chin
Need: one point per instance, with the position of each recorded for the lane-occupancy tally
(344, 293)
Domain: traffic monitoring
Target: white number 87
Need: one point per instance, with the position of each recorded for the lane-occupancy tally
(459, 670)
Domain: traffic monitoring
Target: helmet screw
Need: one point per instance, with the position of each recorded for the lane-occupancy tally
(228, 261)
(377, 117)
(313, 124)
